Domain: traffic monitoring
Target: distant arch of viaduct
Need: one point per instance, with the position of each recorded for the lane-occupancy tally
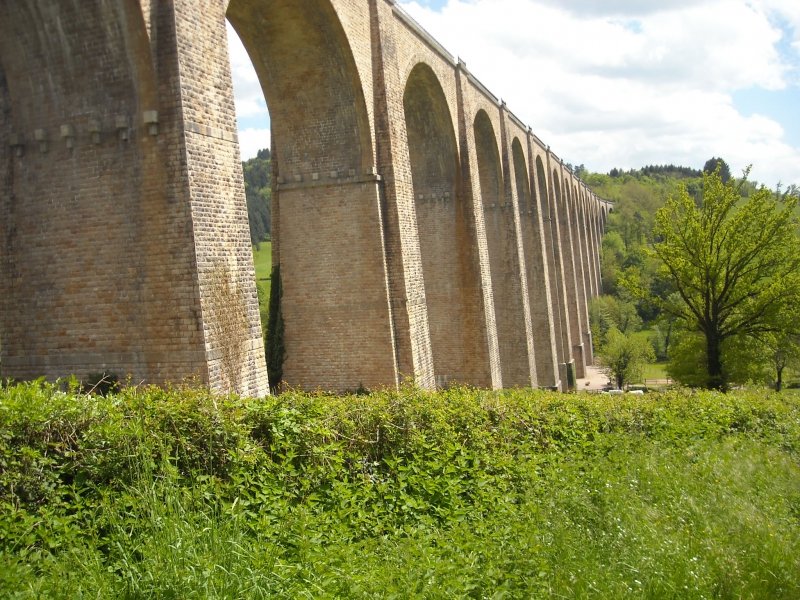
(420, 228)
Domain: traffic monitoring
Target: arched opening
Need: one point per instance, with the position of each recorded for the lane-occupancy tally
(489, 166)
(501, 241)
(431, 139)
(582, 278)
(526, 207)
(566, 291)
(307, 72)
(444, 240)
(552, 257)
(588, 241)
(327, 243)
(540, 301)
(569, 262)
(597, 234)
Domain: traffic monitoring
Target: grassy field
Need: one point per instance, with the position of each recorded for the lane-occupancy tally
(262, 257)
(655, 371)
(459, 494)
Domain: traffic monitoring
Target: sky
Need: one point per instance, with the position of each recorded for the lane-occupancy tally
(620, 83)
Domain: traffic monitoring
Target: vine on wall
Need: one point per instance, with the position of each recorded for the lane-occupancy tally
(276, 352)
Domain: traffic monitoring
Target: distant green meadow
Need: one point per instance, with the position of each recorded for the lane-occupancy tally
(262, 257)
(409, 494)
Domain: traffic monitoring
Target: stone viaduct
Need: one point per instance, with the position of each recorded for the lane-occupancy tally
(422, 231)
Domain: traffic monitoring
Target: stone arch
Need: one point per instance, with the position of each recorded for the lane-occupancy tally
(444, 235)
(571, 263)
(49, 48)
(327, 235)
(588, 242)
(501, 242)
(431, 137)
(311, 83)
(553, 259)
(536, 271)
(521, 176)
(490, 172)
(582, 275)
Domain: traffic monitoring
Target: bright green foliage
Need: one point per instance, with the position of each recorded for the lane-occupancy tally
(637, 195)
(607, 311)
(746, 360)
(182, 494)
(783, 350)
(624, 356)
(612, 258)
(734, 262)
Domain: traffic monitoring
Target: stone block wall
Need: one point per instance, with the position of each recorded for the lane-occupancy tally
(422, 231)
(82, 291)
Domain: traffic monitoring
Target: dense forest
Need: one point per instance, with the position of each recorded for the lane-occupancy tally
(257, 188)
(639, 288)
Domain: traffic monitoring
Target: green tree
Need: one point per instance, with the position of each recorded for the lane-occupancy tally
(258, 192)
(745, 359)
(611, 258)
(623, 357)
(734, 262)
(714, 165)
(783, 350)
(607, 311)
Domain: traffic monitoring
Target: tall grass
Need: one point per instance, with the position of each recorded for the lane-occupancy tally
(180, 494)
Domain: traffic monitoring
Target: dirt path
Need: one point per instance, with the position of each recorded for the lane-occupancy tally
(595, 380)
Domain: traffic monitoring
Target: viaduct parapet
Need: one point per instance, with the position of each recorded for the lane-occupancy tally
(422, 231)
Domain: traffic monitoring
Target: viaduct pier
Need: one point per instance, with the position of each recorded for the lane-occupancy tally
(421, 230)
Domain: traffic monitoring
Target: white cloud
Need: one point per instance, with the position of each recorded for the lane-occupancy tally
(628, 83)
(248, 96)
(252, 140)
(620, 83)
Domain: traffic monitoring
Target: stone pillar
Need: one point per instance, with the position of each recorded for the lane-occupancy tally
(579, 262)
(406, 284)
(102, 261)
(571, 262)
(210, 174)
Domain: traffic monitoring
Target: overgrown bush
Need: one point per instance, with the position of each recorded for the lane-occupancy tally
(179, 493)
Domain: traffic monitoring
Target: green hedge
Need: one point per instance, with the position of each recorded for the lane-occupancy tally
(154, 490)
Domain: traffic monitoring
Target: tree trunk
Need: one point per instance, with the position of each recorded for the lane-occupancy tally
(716, 380)
(779, 379)
(667, 339)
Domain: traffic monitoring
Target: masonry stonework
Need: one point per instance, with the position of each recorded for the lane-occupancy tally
(422, 231)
